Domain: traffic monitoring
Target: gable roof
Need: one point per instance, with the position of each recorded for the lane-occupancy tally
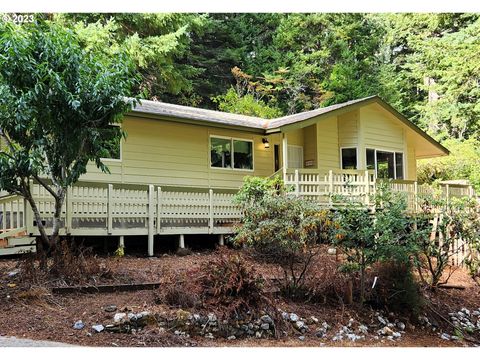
(259, 125)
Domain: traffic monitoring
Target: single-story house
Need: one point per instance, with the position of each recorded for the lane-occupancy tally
(179, 167)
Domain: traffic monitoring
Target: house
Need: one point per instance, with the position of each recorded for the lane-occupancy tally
(178, 168)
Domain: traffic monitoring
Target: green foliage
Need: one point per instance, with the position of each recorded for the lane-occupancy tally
(58, 105)
(245, 105)
(367, 238)
(462, 163)
(282, 229)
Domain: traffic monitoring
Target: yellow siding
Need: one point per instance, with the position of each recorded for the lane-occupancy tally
(411, 168)
(381, 130)
(310, 147)
(175, 154)
(348, 129)
(327, 144)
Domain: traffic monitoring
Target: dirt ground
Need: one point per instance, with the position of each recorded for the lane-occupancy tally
(51, 316)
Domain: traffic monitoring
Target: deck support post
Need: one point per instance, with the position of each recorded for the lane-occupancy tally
(121, 241)
(181, 241)
(285, 156)
(221, 240)
(151, 212)
(109, 208)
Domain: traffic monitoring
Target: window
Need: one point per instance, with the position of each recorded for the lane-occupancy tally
(112, 147)
(295, 156)
(229, 153)
(349, 158)
(387, 164)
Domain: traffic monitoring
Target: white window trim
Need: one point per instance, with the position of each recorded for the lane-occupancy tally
(232, 168)
(341, 158)
(121, 150)
(394, 152)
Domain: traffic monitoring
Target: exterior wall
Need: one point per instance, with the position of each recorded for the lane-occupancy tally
(379, 132)
(175, 154)
(348, 127)
(310, 147)
(328, 156)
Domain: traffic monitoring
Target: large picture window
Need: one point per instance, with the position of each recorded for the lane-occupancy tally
(230, 153)
(387, 164)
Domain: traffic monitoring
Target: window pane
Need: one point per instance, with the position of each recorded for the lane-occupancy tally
(220, 152)
(399, 164)
(242, 157)
(385, 169)
(349, 158)
(370, 159)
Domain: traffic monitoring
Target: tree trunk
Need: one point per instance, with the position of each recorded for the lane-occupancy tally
(44, 244)
(57, 217)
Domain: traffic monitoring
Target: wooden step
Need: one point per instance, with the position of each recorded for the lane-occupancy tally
(21, 241)
(17, 250)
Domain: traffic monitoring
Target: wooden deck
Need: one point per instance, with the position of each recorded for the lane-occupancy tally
(97, 209)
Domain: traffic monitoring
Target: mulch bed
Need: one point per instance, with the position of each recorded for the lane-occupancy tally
(51, 317)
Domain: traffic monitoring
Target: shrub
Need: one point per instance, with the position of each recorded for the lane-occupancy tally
(383, 235)
(177, 291)
(231, 285)
(282, 229)
(396, 289)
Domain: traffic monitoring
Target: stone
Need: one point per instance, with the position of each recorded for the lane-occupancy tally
(465, 311)
(13, 273)
(146, 318)
(79, 325)
(320, 333)
(294, 317)
(337, 338)
(396, 335)
(353, 337)
(453, 337)
(132, 317)
(300, 325)
(301, 338)
(386, 331)
(212, 317)
(110, 308)
(332, 251)
(267, 319)
(476, 313)
(400, 326)
(285, 316)
(313, 320)
(258, 334)
(120, 318)
(381, 320)
(183, 315)
(445, 336)
(231, 337)
(265, 326)
(326, 326)
(363, 329)
(98, 328)
(209, 336)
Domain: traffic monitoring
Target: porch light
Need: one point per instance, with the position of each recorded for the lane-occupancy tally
(266, 143)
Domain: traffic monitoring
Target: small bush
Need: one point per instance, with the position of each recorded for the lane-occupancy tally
(184, 252)
(174, 292)
(231, 285)
(396, 289)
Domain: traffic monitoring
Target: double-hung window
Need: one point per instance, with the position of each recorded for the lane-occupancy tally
(231, 153)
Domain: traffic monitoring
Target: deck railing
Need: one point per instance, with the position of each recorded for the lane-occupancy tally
(360, 186)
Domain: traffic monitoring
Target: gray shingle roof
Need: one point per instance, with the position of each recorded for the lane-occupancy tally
(187, 112)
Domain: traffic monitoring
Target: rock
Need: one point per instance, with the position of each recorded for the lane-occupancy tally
(79, 325)
(476, 313)
(363, 329)
(258, 334)
(337, 338)
(231, 337)
(267, 319)
(145, 318)
(445, 336)
(400, 326)
(381, 320)
(301, 338)
(326, 326)
(265, 326)
(119, 318)
(465, 311)
(113, 328)
(98, 328)
(285, 316)
(293, 317)
(453, 337)
(313, 320)
(132, 317)
(300, 325)
(110, 308)
(396, 335)
(386, 331)
(320, 333)
(209, 336)
(212, 318)
(183, 315)
(353, 337)
(332, 251)
(13, 273)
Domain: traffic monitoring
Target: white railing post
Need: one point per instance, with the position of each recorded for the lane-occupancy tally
(330, 185)
(447, 193)
(69, 210)
(110, 209)
(367, 190)
(415, 196)
(210, 213)
(151, 217)
(159, 209)
(297, 184)
(470, 191)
